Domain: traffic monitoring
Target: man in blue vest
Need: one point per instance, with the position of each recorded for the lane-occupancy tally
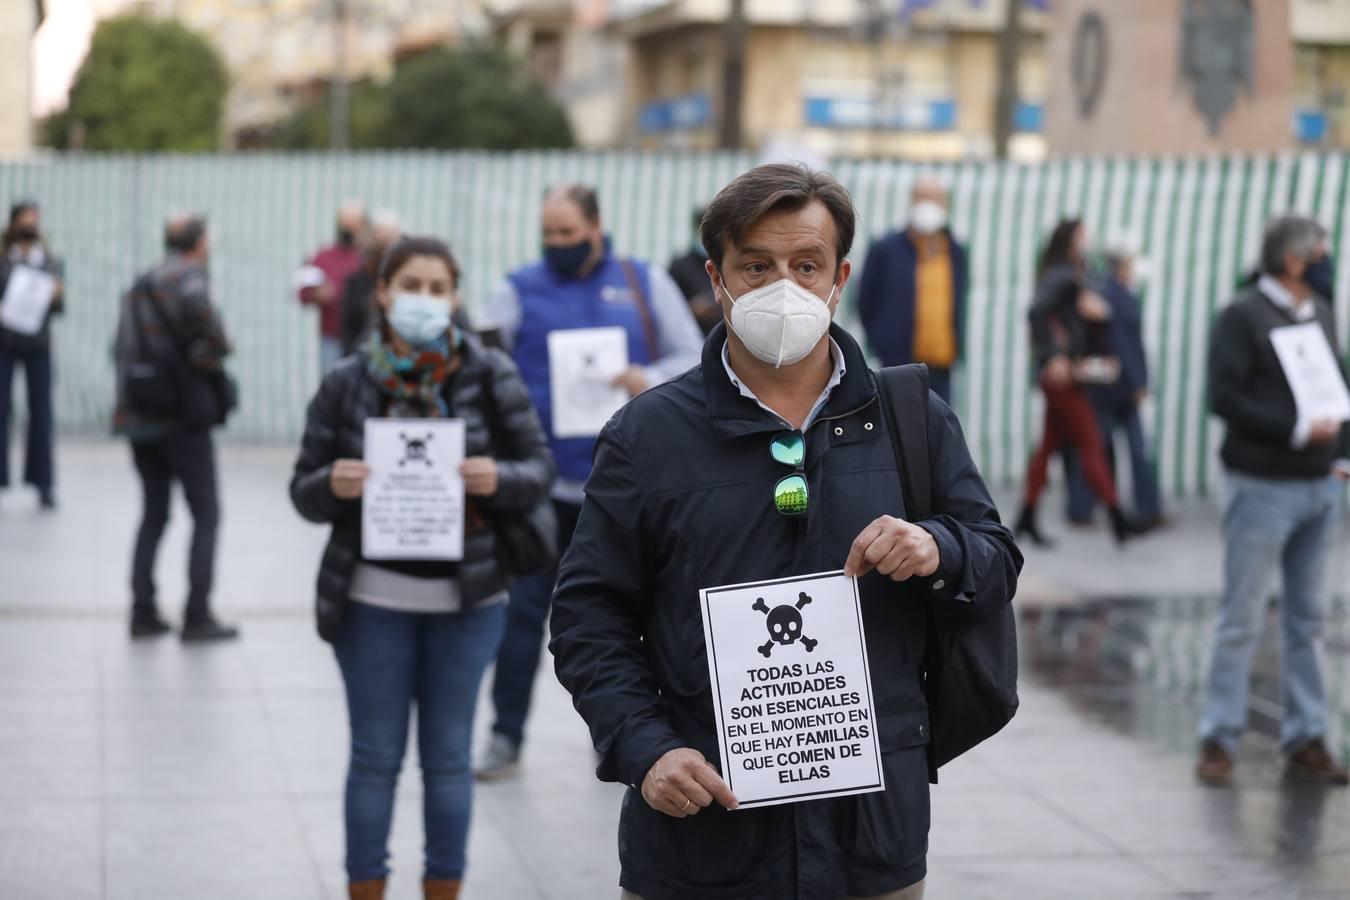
(579, 283)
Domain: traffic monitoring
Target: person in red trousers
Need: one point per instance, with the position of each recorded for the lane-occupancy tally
(1064, 317)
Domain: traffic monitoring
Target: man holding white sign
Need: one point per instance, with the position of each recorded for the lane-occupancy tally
(1275, 381)
(589, 329)
(767, 710)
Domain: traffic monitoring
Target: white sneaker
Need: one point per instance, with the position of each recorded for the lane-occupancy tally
(500, 760)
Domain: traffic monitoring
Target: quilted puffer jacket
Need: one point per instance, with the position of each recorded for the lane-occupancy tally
(488, 394)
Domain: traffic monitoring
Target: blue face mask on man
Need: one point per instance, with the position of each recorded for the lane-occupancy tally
(568, 261)
(1320, 275)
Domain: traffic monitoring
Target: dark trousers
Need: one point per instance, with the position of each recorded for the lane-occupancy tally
(38, 469)
(1116, 410)
(187, 457)
(518, 658)
(1070, 422)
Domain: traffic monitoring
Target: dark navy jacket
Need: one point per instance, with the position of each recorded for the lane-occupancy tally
(1127, 335)
(679, 499)
(888, 285)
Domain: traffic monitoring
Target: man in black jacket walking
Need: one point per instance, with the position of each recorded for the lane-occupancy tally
(687, 492)
(169, 324)
(1285, 467)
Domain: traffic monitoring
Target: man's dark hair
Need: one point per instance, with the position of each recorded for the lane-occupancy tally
(774, 188)
(1059, 249)
(397, 256)
(185, 234)
(1298, 235)
(582, 195)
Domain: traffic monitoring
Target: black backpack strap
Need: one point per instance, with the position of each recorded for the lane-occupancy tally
(904, 393)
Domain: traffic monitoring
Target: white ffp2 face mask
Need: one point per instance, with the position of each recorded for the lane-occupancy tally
(928, 217)
(780, 323)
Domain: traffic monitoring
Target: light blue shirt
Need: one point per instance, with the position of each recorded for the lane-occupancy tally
(835, 378)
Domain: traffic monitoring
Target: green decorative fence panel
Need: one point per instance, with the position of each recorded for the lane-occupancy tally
(1199, 220)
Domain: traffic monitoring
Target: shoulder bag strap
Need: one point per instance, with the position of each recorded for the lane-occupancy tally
(904, 390)
(164, 319)
(643, 305)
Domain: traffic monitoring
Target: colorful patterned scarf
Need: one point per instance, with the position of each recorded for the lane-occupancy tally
(413, 382)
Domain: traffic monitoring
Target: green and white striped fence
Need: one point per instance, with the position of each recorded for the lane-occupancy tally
(1199, 220)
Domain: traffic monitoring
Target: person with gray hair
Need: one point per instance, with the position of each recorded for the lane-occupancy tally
(1285, 465)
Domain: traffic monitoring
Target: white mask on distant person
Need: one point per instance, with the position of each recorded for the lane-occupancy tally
(927, 217)
(780, 323)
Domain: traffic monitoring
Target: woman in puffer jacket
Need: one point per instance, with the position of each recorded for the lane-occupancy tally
(416, 632)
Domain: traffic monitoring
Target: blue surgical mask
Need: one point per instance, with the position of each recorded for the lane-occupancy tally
(568, 261)
(1320, 275)
(420, 319)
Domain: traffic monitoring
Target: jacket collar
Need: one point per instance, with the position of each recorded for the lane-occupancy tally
(734, 415)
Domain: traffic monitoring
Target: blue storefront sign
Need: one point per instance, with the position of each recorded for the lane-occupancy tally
(1311, 126)
(864, 112)
(676, 114)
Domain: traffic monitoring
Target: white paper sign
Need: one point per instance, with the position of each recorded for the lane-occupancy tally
(28, 296)
(413, 505)
(582, 362)
(791, 688)
(1314, 377)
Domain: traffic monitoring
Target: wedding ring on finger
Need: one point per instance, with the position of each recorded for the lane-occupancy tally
(687, 803)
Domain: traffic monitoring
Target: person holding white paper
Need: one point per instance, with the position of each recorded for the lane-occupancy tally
(418, 631)
(24, 248)
(771, 460)
(579, 284)
(1286, 462)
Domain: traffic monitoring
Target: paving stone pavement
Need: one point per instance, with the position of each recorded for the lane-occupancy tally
(148, 771)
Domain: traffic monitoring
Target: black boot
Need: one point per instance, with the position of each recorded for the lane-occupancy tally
(1122, 527)
(148, 625)
(208, 630)
(1026, 524)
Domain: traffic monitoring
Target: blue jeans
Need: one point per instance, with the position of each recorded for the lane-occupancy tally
(1116, 411)
(38, 468)
(518, 658)
(1270, 527)
(391, 661)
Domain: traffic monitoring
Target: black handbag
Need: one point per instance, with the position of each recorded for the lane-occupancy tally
(970, 665)
(527, 542)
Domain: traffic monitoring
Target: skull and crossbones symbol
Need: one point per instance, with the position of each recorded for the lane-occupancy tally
(785, 624)
(415, 449)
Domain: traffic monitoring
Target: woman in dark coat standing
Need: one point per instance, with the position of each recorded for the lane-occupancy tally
(416, 633)
(22, 245)
(1065, 320)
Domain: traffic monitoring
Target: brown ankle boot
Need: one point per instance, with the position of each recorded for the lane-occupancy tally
(435, 889)
(1315, 765)
(366, 890)
(1215, 767)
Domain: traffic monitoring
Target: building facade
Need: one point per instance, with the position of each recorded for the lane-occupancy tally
(18, 20)
(833, 76)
